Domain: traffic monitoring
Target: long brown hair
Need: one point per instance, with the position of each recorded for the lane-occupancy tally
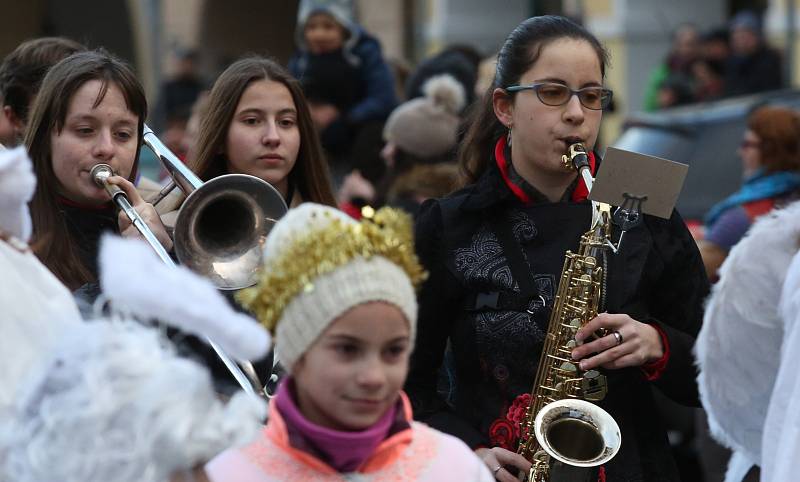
(519, 52)
(778, 131)
(53, 243)
(309, 175)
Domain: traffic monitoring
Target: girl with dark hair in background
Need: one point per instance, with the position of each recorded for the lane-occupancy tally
(519, 203)
(21, 76)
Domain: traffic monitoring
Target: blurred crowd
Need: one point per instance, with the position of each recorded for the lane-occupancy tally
(390, 133)
(722, 62)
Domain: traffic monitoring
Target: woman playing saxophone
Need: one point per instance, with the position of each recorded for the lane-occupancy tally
(495, 252)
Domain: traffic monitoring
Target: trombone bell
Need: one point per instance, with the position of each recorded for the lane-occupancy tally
(222, 226)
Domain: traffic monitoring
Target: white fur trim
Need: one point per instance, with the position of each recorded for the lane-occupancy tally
(137, 281)
(115, 402)
(17, 184)
(738, 346)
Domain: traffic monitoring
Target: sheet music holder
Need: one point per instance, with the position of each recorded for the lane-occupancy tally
(638, 183)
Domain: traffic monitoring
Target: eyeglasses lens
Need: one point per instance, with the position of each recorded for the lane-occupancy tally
(557, 94)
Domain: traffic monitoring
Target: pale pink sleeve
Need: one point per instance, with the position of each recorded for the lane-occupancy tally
(233, 466)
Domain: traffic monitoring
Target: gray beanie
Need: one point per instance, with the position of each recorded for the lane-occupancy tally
(341, 10)
(427, 127)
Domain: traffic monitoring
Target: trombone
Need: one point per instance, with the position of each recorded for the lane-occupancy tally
(219, 233)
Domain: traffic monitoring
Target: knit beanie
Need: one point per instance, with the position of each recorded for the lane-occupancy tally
(341, 10)
(427, 127)
(746, 19)
(319, 263)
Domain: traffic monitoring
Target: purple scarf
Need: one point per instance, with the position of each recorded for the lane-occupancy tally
(344, 451)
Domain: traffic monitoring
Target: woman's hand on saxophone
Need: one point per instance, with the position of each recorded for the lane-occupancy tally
(497, 459)
(145, 210)
(629, 343)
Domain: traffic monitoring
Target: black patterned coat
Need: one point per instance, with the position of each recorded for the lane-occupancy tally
(490, 355)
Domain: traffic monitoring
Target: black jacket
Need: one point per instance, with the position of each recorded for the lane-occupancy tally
(492, 354)
(757, 72)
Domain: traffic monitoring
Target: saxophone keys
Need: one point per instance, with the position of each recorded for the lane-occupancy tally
(569, 367)
(594, 386)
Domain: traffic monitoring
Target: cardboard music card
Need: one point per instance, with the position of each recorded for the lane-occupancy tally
(627, 177)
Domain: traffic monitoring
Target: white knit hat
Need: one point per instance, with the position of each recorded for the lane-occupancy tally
(319, 263)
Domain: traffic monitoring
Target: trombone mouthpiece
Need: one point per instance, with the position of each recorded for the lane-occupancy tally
(100, 174)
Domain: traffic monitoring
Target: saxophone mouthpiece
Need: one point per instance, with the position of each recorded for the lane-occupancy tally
(577, 154)
(575, 158)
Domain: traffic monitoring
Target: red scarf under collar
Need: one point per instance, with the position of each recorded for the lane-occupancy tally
(579, 194)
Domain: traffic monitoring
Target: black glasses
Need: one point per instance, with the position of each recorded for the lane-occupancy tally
(552, 94)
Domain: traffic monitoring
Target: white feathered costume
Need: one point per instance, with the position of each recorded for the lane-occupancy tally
(113, 401)
(35, 307)
(747, 350)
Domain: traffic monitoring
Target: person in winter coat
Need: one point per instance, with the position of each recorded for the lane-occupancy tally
(339, 296)
(753, 65)
(349, 85)
(771, 170)
(421, 135)
(495, 251)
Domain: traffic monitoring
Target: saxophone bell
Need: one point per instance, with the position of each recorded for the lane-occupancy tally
(576, 435)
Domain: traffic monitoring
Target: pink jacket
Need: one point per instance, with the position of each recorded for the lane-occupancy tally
(418, 453)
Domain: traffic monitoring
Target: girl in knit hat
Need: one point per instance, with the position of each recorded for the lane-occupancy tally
(339, 297)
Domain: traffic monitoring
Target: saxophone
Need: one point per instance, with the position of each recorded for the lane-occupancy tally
(563, 434)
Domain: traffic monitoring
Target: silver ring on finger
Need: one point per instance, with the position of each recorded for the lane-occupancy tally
(497, 469)
(618, 336)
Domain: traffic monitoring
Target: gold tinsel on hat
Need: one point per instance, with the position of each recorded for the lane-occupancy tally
(387, 233)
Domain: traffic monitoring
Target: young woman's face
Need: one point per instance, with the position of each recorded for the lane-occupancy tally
(106, 134)
(323, 34)
(542, 133)
(263, 138)
(353, 373)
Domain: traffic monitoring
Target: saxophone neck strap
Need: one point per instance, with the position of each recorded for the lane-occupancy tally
(508, 300)
(503, 228)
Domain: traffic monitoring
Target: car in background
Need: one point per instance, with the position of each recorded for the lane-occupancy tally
(705, 136)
